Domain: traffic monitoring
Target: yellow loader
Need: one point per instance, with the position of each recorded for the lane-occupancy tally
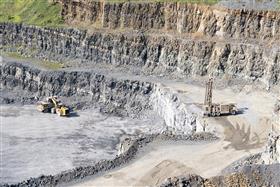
(53, 105)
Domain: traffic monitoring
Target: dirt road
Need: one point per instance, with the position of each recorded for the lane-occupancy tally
(241, 135)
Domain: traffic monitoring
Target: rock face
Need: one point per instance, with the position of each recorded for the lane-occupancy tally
(257, 175)
(174, 39)
(176, 113)
(113, 95)
(177, 38)
(180, 56)
(178, 17)
(272, 152)
(277, 107)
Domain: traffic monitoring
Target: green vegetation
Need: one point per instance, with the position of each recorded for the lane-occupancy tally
(42, 63)
(208, 2)
(51, 65)
(47, 13)
(34, 12)
(13, 55)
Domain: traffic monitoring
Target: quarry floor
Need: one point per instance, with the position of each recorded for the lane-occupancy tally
(35, 143)
(241, 136)
(47, 144)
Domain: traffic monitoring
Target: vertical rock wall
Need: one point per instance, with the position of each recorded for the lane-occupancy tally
(272, 152)
(115, 95)
(166, 54)
(178, 116)
(121, 96)
(179, 17)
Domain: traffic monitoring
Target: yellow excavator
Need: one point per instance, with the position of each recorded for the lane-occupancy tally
(53, 105)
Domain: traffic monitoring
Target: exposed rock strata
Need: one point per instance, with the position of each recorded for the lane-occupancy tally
(203, 40)
(170, 38)
(176, 114)
(179, 17)
(167, 54)
(114, 95)
(272, 152)
(257, 175)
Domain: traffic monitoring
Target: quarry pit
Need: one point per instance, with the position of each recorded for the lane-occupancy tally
(133, 74)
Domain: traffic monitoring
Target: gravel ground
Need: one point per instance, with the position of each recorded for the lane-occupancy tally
(35, 143)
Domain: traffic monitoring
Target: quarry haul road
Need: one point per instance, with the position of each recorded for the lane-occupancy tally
(241, 135)
(164, 160)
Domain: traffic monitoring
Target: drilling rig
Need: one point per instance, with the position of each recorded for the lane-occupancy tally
(215, 109)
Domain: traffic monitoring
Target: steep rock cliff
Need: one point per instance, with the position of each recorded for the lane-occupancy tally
(114, 95)
(157, 53)
(271, 154)
(176, 113)
(118, 96)
(179, 17)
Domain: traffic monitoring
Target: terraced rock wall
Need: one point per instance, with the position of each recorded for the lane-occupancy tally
(119, 96)
(116, 95)
(156, 53)
(178, 17)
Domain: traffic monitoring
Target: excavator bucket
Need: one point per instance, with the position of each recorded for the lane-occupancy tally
(43, 107)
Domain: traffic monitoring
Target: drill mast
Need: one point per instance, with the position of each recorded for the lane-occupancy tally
(208, 92)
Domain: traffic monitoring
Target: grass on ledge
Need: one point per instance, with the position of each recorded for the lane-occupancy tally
(207, 2)
(46, 13)
(33, 12)
(42, 63)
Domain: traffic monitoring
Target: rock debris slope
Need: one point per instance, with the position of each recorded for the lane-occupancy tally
(249, 176)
